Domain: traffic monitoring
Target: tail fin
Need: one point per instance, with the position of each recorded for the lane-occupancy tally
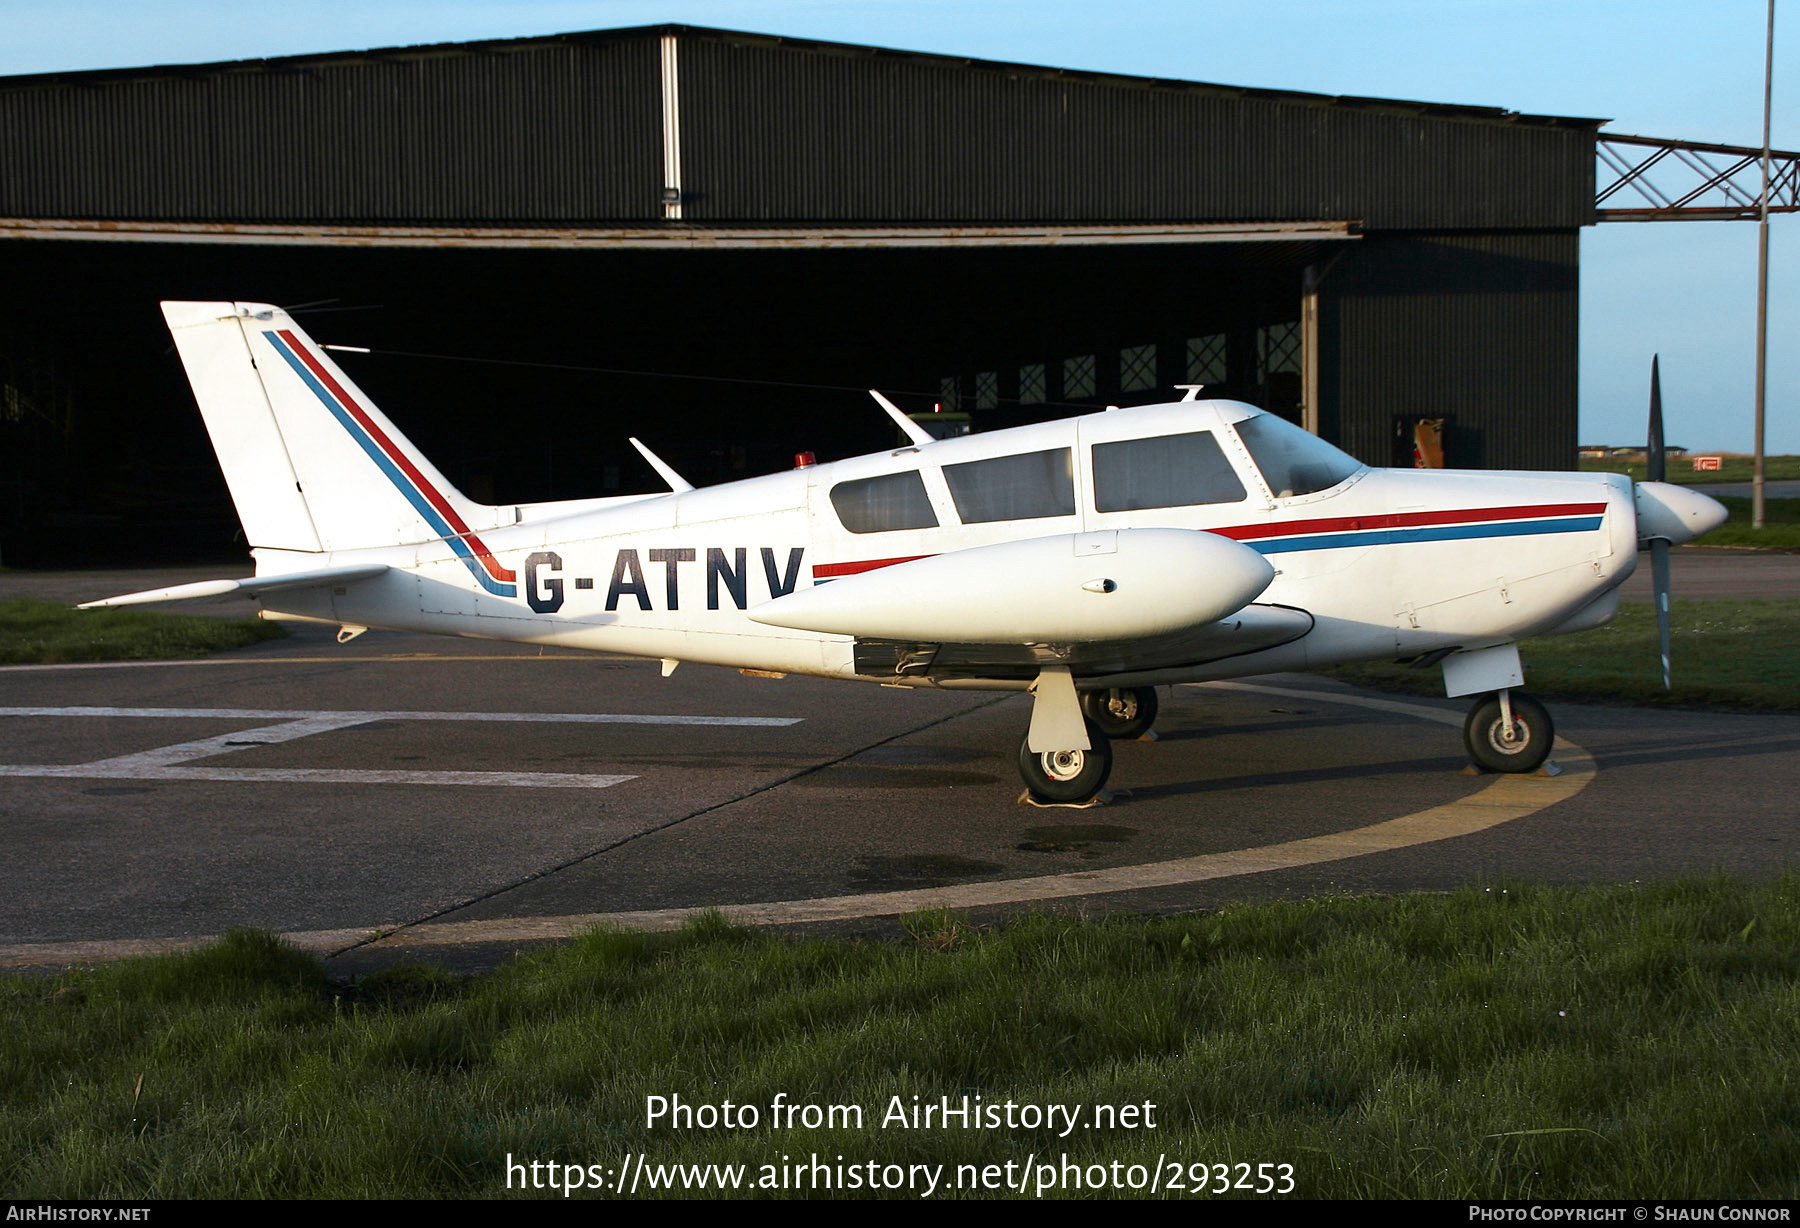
(312, 465)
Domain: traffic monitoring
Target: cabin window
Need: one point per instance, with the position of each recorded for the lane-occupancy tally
(1024, 487)
(884, 504)
(1165, 471)
(1292, 461)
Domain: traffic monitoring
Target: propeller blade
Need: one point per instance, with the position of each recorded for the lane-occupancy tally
(1653, 453)
(1659, 576)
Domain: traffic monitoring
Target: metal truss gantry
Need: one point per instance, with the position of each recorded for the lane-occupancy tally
(1709, 182)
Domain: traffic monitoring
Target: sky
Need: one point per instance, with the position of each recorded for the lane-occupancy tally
(1691, 70)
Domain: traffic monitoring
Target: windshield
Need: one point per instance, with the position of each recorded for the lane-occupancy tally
(1292, 461)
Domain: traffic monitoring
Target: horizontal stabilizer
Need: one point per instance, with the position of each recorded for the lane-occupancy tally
(255, 586)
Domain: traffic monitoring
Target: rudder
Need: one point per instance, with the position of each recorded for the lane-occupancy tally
(312, 465)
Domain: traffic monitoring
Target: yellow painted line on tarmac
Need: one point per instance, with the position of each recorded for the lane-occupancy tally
(1503, 799)
(52, 954)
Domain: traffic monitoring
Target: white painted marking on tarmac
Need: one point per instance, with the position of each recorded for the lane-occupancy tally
(354, 717)
(222, 744)
(169, 763)
(407, 657)
(317, 776)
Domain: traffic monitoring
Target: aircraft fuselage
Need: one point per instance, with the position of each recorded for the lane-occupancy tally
(1387, 563)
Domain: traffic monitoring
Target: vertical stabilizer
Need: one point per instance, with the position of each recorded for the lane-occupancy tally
(311, 463)
(258, 470)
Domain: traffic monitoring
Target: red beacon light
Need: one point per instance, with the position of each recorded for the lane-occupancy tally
(805, 460)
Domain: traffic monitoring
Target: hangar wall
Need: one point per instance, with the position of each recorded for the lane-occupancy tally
(1449, 289)
(1478, 329)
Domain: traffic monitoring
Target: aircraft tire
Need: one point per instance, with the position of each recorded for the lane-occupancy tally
(1483, 734)
(1067, 775)
(1121, 712)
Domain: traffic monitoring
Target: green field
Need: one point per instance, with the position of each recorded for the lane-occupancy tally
(1498, 1042)
(1681, 469)
(42, 632)
(1780, 531)
(1727, 654)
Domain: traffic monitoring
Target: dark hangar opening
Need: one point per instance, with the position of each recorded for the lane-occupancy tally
(1002, 242)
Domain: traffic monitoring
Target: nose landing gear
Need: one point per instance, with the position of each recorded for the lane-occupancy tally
(1508, 731)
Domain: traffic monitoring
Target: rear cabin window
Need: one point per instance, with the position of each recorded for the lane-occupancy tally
(1292, 461)
(881, 505)
(1029, 486)
(1166, 471)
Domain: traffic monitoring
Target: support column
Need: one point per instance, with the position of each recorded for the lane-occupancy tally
(1309, 348)
(671, 126)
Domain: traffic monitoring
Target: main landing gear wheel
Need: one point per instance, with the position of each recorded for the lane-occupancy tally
(1067, 775)
(1121, 713)
(1521, 747)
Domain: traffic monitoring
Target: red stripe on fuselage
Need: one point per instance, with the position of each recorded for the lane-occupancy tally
(400, 459)
(1398, 520)
(1298, 528)
(831, 571)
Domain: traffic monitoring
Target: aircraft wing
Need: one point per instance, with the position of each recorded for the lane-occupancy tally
(1251, 629)
(1118, 601)
(255, 586)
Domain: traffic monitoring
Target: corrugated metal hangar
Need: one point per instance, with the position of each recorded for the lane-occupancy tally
(714, 240)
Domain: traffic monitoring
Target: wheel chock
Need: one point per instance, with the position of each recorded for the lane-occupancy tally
(1099, 799)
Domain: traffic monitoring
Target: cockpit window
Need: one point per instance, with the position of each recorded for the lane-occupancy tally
(1165, 471)
(881, 505)
(1023, 487)
(1292, 461)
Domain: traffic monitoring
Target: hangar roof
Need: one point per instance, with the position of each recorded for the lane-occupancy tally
(293, 63)
(573, 129)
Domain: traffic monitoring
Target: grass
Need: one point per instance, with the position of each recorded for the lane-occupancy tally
(42, 632)
(1680, 469)
(1780, 531)
(1727, 654)
(1632, 1041)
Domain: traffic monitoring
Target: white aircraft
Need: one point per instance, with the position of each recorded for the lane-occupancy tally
(1086, 561)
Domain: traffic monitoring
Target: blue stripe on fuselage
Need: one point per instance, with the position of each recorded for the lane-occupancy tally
(414, 496)
(1430, 533)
